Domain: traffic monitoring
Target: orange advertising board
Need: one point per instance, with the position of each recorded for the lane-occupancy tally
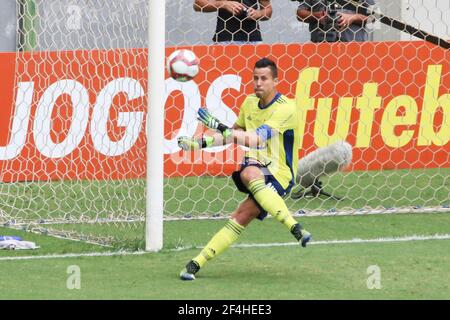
(81, 114)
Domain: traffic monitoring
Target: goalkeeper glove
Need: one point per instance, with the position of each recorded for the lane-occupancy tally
(213, 123)
(189, 143)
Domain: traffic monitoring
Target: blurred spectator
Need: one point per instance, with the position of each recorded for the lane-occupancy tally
(330, 23)
(237, 20)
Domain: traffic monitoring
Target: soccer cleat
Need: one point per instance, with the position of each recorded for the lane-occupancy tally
(189, 272)
(301, 234)
(184, 275)
(306, 237)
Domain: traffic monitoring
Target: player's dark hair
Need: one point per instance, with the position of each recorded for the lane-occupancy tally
(267, 63)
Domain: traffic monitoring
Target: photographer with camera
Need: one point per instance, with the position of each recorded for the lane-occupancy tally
(329, 22)
(237, 20)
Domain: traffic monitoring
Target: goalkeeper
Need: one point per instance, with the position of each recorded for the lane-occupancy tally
(267, 124)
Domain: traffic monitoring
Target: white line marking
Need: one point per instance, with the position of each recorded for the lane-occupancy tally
(243, 245)
(355, 240)
(76, 255)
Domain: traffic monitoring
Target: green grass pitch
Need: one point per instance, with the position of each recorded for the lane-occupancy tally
(409, 269)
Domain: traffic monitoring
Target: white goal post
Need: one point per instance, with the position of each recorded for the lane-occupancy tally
(155, 125)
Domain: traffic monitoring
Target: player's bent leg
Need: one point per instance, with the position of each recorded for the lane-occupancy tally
(223, 239)
(272, 202)
(247, 211)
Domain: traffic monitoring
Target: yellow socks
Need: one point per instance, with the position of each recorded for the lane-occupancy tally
(271, 201)
(221, 241)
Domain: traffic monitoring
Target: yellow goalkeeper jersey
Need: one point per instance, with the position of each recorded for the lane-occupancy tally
(277, 123)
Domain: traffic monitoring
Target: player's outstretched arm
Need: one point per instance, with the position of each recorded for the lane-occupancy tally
(225, 136)
(237, 136)
(190, 143)
(229, 135)
(247, 139)
(211, 122)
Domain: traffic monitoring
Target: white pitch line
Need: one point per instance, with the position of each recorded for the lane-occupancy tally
(76, 255)
(243, 245)
(352, 241)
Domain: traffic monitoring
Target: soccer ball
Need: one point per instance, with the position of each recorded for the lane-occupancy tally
(182, 65)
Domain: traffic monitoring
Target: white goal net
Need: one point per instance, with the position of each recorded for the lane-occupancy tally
(74, 105)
